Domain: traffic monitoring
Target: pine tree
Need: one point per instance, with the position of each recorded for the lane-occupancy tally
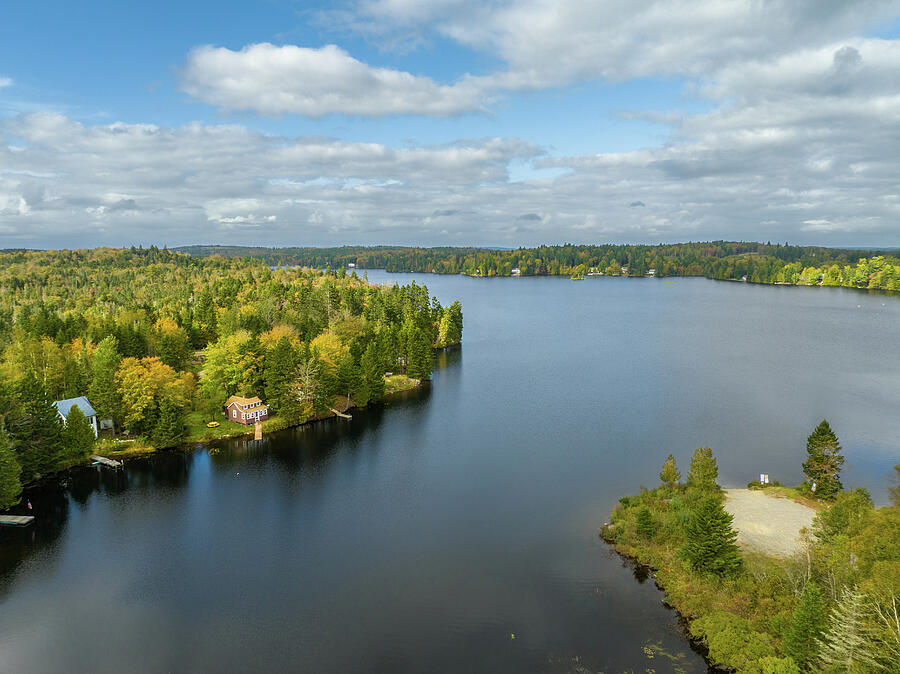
(710, 537)
(420, 358)
(169, 426)
(644, 523)
(38, 437)
(10, 486)
(347, 376)
(824, 461)
(670, 475)
(704, 469)
(279, 371)
(845, 645)
(102, 390)
(806, 626)
(372, 376)
(77, 435)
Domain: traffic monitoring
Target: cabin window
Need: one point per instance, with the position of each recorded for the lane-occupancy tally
(234, 414)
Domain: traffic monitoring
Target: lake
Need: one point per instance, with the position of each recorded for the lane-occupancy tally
(455, 528)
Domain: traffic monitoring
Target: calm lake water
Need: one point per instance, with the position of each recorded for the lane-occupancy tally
(456, 529)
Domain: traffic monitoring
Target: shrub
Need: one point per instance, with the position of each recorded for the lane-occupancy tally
(645, 526)
(732, 641)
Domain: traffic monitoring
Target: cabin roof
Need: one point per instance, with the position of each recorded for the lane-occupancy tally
(240, 400)
(64, 406)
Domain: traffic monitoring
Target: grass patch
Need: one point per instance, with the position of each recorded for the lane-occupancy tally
(399, 382)
(798, 494)
(122, 449)
(196, 429)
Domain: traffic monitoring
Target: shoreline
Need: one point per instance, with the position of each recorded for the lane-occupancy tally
(143, 451)
(637, 566)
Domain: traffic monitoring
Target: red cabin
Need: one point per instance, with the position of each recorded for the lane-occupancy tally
(246, 410)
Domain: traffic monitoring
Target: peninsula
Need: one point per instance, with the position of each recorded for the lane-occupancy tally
(113, 352)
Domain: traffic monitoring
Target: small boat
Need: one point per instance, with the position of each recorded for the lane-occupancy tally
(212, 424)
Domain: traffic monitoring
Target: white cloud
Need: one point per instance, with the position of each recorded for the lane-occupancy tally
(5, 82)
(124, 183)
(282, 80)
(541, 44)
(555, 42)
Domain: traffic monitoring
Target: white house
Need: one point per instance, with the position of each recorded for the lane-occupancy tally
(63, 407)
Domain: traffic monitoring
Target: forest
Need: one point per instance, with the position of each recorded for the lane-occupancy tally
(832, 607)
(723, 260)
(158, 340)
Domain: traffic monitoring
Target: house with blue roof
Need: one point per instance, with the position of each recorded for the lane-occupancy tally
(63, 407)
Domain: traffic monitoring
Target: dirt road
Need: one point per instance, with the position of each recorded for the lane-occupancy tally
(766, 523)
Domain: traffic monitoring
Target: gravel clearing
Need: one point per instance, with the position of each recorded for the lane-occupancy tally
(767, 524)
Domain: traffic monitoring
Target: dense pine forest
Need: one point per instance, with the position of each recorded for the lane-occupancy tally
(157, 341)
(724, 260)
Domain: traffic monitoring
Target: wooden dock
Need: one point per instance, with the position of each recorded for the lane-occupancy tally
(112, 463)
(16, 520)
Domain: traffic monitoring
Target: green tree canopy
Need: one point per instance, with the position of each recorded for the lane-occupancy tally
(807, 624)
(704, 469)
(77, 434)
(710, 546)
(670, 475)
(102, 389)
(824, 461)
(10, 486)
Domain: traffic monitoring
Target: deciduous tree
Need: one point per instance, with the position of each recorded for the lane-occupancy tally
(704, 469)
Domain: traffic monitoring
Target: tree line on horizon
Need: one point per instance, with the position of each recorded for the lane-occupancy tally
(724, 260)
(150, 336)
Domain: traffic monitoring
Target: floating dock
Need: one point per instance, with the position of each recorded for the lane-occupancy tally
(112, 463)
(16, 520)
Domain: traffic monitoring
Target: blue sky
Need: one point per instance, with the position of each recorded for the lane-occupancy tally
(448, 122)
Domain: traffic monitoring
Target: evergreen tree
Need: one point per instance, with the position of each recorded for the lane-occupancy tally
(806, 626)
(169, 426)
(38, 436)
(419, 357)
(845, 646)
(824, 461)
(279, 371)
(347, 377)
(710, 537)
(372, 374)
(102, 390)
(670, 475)
(10, 486)
(644, 523)
(704, 469)
(77, 434)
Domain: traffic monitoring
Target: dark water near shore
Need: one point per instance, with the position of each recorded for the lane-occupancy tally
(423, 535)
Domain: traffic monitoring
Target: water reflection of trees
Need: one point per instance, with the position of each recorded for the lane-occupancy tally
(309, 447)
